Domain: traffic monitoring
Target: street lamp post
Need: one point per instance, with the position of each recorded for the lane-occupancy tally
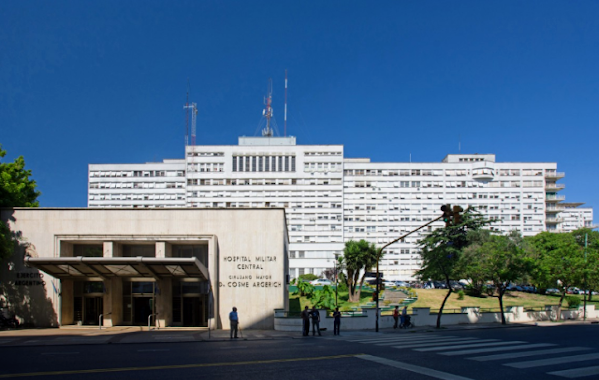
(336, 280)
(378, 258)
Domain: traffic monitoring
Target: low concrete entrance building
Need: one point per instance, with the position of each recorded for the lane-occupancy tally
(172, 267)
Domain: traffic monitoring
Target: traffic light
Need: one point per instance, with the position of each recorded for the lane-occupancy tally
(457, 217)
(447, 214)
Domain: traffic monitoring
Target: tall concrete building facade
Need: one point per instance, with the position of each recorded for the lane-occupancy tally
(330, 199)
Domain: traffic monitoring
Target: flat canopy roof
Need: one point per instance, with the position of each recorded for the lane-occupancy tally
(106, 267)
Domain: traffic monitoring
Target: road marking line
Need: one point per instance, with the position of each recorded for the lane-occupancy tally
(494, 349)
(60, 353)
(469, 346)
(233, 348)
(413, 368)
(178, 366)
(515, 355)
(431, 339)
(552, 361)
(440, 345)
(155, 350)
(399, 338)
(578, 372)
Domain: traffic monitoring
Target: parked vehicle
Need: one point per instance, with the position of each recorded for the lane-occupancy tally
(321, 281)
(552, 291)
(389, 284)
(402, 283)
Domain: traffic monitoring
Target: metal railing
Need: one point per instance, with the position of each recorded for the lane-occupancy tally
(155, 320)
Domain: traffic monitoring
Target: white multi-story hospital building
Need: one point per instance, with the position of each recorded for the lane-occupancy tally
(329, 199)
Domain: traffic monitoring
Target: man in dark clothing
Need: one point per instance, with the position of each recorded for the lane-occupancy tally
(306, 321)
(234, 320)
(336, 321)
(315, 321)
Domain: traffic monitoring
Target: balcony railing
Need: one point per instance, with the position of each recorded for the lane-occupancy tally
(555, 186)
(555, 175)
(555, 198)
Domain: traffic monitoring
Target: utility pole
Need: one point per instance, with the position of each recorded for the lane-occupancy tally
(378, 282)
(584, 318)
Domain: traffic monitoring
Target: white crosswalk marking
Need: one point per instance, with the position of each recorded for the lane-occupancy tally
(514, 355)
(469, 346)
(440, 343)
(553, 361)
(577, 372)
(427, 339)
(449, 345)
(494, 349)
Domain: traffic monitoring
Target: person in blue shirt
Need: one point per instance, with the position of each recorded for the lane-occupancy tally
(234, 319)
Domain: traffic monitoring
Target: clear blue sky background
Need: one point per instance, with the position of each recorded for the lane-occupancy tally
(105, 81)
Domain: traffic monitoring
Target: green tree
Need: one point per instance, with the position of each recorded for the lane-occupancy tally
(442, 248)
(470, 266)
(558, 259)
(591, 258)
(358, 258)
(501, 260)
(16, 190)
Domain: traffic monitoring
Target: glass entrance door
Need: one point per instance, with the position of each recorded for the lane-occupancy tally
(92, 309)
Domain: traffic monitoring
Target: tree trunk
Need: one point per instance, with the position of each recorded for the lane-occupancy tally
(558, 317)
(357, 289)
(501, 291)
(444, 300)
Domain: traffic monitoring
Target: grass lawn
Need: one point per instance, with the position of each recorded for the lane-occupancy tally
(433, 298)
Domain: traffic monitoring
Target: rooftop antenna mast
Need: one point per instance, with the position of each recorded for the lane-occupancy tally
(186, 108)
(267, 112)
(285, 103)
(194, 113)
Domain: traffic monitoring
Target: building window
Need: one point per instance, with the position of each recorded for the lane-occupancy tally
(292, 163)
(254, 163)
(234, 164)
(280, 164)
(266, 162)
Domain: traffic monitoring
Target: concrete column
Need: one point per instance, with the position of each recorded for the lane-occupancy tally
(113, 302)
(164, 302)
(67, 302)
(108, 248)
(215, 321)
(160, 249)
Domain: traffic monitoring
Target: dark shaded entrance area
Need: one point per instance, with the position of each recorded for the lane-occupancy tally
(192, 311)
(93, 308)
(142, 308)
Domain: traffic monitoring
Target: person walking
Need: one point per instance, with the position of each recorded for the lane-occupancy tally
(315, 321)
(305, 321)
(234, 321)
(336, 321)
(404, 313)
(395, 317)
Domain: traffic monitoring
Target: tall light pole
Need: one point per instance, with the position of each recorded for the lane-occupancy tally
(336, 279)
(378, 257)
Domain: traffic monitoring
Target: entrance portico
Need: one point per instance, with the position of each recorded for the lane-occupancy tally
(180, 267)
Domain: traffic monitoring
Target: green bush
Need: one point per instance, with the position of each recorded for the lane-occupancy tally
(308, 277)
(460, 294)
(573, 301)
(342, 287)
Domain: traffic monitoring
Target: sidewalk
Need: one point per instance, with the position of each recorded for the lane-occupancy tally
(75, 335)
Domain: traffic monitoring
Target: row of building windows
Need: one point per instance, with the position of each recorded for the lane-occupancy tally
(136, 185)
(262, 182)
(323, 166)
(441, 172)
(137, 173)
(206, 167)
(323, 153)
(263, 164)
(205, 154)
(134, 197)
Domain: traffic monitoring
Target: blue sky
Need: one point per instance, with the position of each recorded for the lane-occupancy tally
(105, 81)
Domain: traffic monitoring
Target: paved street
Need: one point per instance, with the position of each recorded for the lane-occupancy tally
(568, 351)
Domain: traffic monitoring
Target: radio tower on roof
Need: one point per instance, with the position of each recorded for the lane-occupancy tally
(194, 112)
(267, 112)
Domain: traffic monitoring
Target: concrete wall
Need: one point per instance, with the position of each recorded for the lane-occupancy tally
(247, 257)
(423, 317)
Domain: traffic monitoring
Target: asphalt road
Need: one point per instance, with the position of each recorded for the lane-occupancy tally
(489, 354)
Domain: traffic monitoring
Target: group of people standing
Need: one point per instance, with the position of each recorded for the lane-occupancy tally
(399, 321)
(314, 316)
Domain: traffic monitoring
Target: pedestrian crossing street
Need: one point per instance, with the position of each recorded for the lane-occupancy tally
(510, 353)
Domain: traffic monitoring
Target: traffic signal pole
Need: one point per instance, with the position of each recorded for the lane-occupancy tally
(378, 281)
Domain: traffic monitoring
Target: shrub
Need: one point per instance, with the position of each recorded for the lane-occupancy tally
(308, 277)
(460, 294)
(342, 287)
(573, 301)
